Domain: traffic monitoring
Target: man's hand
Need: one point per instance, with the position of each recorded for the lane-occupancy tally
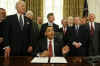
(7, 52)
(1, 39)
(44, 54)
(76, 44)
(30, 49)
(65, 50)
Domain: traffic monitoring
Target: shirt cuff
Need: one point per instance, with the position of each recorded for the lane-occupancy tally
(38, 54)
(80, 43)
(73, 43)
(6, 47)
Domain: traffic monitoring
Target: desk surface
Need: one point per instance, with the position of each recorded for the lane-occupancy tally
(25, 61)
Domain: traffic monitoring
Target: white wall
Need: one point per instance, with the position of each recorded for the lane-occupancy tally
(55, 6)
(9, 5)
(94, 7)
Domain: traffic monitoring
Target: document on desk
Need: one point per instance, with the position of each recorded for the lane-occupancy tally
(40, 60)
(58, 60)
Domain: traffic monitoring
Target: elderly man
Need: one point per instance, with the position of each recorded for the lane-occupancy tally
(70, 21)
(93, 29)
(19, 29)
(63, 29)
(78, 39)
(29, 14)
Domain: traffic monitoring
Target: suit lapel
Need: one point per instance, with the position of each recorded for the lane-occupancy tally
(45, 44)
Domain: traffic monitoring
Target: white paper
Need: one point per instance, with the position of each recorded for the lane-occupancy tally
(58, 60)
(40, 60)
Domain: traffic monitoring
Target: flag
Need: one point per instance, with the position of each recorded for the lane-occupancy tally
(85, 9)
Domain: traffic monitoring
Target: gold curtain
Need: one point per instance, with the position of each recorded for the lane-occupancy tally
(73, 8)
(36, 6)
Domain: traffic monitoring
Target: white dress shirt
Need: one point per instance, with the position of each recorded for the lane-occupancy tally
(50, 24)
(64, 28)
(77, 27)
(38, 54)
(18, 15)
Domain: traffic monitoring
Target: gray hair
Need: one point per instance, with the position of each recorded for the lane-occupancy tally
(20, 2)
(29, 13)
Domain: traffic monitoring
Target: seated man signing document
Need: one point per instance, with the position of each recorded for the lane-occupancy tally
(50, 46)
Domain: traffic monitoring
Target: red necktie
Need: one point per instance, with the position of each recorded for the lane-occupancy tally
(50, 49)
(92, 29)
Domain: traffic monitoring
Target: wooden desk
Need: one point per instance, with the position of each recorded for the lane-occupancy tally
(25, 61)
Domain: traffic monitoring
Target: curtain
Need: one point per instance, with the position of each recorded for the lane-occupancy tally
(36, 6)
(73, 8)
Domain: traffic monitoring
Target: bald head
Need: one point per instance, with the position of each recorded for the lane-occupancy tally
(20, 6)
(91, 17)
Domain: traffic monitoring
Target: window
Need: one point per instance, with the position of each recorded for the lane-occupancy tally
(9, 5)
(55, 6)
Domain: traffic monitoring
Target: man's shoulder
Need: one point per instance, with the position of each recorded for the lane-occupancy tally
(55, 25)
(12, 15)
(45, 24)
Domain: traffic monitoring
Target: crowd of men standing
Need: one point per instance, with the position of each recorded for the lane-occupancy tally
(21, 36)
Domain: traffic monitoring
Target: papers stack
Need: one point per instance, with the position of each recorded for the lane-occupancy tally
(49, 60)
(58, 60)
(40, 60)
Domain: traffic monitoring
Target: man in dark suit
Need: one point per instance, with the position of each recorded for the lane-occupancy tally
(93, 30)
(19, 29)
(49, 46)
(78, 39)
(2, 33)
(64, 28)
(51, 19)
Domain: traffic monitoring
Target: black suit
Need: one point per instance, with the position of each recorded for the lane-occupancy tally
(44, 26)
(78, 36)
(94, 43)
(62, 31)
(65, 34)
(2, 35)
(58, 45)
(18, 39)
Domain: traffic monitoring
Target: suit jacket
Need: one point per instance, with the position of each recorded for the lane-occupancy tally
(35, 33)
(44, 26)
(18, 39)
(2, 28)
(61, 30)
(78, 36)
(94, 40)
(64, 35)
(57, 46)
